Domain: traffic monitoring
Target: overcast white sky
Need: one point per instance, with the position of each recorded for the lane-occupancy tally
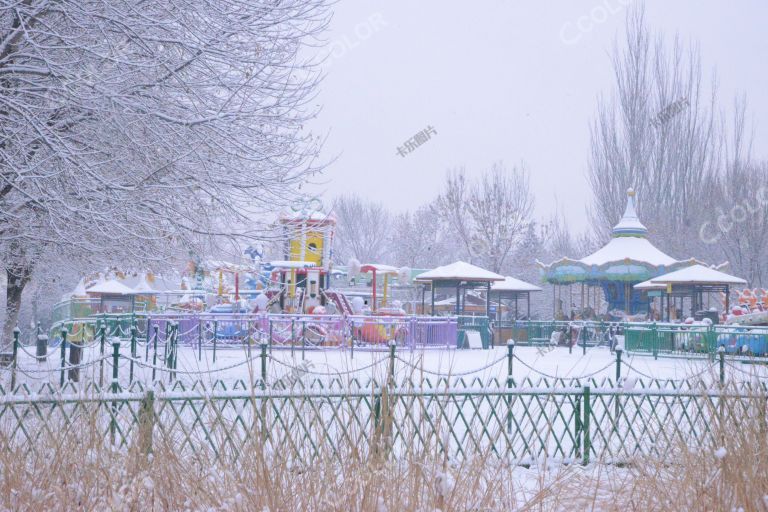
(502, 80)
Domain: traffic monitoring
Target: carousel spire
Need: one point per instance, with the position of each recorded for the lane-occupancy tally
(630, 224)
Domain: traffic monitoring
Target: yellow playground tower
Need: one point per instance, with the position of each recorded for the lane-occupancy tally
(308, 235)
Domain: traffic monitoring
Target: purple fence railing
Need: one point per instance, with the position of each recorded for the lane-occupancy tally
(308, 330)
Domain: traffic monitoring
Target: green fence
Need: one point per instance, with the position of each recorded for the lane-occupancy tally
(677, 339)
(538, 332)
(524, 423)
(479, 324)
(85, 329)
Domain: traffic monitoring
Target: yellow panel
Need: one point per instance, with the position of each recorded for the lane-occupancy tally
(313, 251)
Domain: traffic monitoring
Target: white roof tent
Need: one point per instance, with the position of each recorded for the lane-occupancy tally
(110, 287)
(112, 294)
(691, 282)
(512, 289)
(460, 276)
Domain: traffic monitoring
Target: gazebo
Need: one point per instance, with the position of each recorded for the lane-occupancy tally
(693, 282)
(459, 276)
(114, 296)
(512, 289)
(610, 273)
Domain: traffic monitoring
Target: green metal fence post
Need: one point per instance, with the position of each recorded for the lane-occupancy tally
(115, 364)
(577, 425)
(583, 335)
(16, 332)
(174, 349)
(133, 353)
(115, 387)
(63, 354)
(154, 352)
(570, 339)
(654, 341)
(619, 350)
(585, 426)
(263, 365)
(148, 339)
(721, 355)
(303, 337)
(102, 342)
(215, 335)
(392, 347)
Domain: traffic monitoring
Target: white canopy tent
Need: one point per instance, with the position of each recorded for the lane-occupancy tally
(691, 281)
(460, 276)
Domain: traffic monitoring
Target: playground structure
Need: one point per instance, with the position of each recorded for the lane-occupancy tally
(290, 302)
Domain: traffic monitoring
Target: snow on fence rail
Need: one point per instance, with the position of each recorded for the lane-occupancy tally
(522, 424)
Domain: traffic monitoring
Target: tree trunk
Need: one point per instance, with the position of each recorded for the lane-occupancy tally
(18, 277)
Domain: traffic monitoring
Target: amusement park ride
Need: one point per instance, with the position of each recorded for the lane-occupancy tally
(295, 290)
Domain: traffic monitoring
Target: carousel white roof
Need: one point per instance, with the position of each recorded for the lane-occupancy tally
(459, 271)
(510, 284)
(628, 243)
(632, 247)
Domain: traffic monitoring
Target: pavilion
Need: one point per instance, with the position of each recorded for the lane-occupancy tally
(611, 272)
(693, 282)
(459, 277)
(114, 296)
(512, 289)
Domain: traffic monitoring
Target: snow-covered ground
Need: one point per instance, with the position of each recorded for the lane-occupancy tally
(234, 364)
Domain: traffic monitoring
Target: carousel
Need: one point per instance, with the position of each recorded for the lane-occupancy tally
(604, 281)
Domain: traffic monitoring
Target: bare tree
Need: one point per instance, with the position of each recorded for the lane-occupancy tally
(418, 240)
(738, 226)
(362, 230)
(488, 215)
(639, 140)
(129, 129)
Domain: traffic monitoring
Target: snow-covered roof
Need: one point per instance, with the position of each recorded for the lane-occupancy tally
(696, 274)
(380, 269)
(79, 290)
(459, 271)
(292, 264)
(628, 247)
(649, 285)
(110, 287)
(510, 284)
(143, 287)
(315, 216)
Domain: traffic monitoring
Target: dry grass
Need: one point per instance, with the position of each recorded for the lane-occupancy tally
(77, 469)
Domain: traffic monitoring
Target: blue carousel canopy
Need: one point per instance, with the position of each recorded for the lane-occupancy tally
(628, 257)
